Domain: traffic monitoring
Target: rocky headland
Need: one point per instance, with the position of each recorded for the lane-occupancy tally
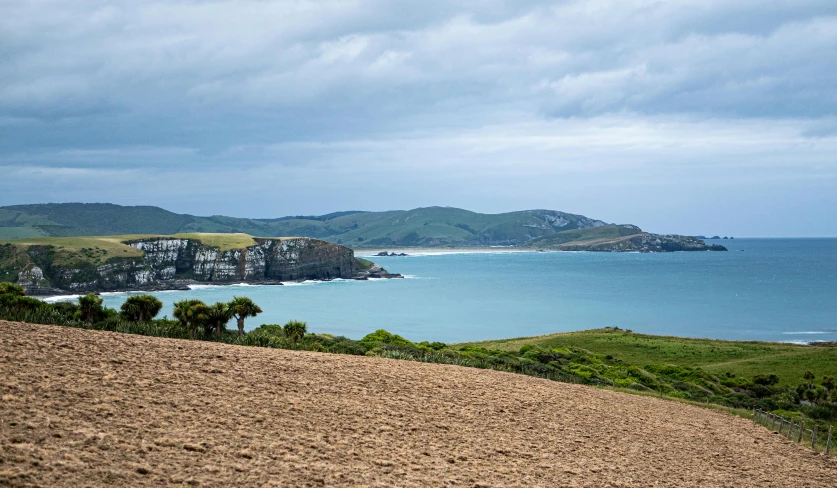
(619, 238)
(172, 262)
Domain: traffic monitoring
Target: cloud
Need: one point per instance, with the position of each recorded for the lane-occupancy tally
(541, 93)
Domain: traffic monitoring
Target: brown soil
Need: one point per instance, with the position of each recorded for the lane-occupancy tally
(82, 408)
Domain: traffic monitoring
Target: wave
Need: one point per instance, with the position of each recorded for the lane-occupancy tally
(60, 298)
(313, 282)
(810, 332)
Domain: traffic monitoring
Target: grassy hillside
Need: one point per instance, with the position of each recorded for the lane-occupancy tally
(744, 359)
(224, 242)
(595, 235)
(433, 226)
(80, 219)
(95, 250)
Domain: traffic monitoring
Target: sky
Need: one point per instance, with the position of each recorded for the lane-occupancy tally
(682, 116)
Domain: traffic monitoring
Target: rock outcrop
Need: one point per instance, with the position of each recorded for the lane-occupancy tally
(644, 243)
(174, 263)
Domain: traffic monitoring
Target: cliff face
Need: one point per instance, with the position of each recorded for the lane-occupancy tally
(168, 262)
(269, 260)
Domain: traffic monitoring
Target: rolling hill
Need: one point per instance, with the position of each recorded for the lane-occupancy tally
(421, 227)
(432, 226)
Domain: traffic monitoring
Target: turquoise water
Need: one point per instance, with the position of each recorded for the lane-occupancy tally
(762, 289)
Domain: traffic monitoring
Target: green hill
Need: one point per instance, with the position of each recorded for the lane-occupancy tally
(744, 359)
(420, 227)
(604, 234)
(433, 226)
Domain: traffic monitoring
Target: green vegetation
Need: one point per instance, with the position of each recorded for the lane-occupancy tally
(743, 359)
(295, 331)
(217, 316)
(432, 226)
(363, 264)
(20, 232)
(70, 250)
(192, 315)
(224, 242)
(80, 219)
(140, 308)
(242, 308)
(90, 309)
(595, 235)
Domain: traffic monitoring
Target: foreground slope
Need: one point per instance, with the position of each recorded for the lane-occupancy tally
(86, 408)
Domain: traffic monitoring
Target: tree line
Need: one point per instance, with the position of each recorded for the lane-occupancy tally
(193, 316)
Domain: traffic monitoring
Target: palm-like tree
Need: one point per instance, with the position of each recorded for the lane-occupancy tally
(90, 307)
(140, 308)
(295, 330)
(192, 314)
(217, 316)
(243, 307)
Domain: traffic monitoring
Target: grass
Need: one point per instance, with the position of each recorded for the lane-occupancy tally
(19, 232)
(432, 226)
(225, 242)
(744, 359)
(96, 250)
(595, 235)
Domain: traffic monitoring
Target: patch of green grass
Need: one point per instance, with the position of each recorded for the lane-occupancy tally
(744, 359)
(594, 235)
(20, 232)
(96, 250)
(225, 242)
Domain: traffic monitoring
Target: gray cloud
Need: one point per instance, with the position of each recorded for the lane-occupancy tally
(425, 95)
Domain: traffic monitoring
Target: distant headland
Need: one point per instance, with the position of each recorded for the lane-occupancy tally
(430, 227)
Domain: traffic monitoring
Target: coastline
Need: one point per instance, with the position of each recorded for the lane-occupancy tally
(438, 251)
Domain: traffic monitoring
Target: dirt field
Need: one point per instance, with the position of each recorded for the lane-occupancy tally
(83, 408)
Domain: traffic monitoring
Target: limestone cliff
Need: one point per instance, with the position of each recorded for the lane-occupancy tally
(172, 263)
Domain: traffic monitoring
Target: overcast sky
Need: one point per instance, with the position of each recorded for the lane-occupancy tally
(689, 116)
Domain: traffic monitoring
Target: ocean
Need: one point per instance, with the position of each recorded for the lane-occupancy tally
(762, 289)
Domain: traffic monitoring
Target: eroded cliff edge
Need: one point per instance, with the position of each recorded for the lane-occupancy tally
(171, 262)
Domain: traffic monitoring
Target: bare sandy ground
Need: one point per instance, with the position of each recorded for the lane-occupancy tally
(83, 408)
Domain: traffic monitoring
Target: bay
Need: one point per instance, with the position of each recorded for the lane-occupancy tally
(762, 289)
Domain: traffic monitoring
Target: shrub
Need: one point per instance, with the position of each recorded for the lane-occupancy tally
(7, 288)
(384, 337)
(295, 330)
(766, 379)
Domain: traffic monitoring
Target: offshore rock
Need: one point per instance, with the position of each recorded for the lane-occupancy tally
(375, 271)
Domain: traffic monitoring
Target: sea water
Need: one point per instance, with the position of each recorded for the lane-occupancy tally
(762, 289)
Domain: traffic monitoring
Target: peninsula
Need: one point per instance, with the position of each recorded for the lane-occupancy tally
(52, 265)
